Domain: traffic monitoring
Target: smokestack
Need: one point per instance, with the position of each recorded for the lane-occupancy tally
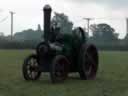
(47, 22)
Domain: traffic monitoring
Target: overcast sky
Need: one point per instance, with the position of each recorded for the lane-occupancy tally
(29, 14)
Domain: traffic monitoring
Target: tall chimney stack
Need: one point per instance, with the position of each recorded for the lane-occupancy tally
(47, 22)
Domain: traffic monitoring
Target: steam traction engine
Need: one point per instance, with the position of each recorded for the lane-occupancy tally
(60, 54)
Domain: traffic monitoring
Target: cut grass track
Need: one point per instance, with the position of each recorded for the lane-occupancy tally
(111, 80)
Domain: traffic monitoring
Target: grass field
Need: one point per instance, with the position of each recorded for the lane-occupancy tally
(112, 78)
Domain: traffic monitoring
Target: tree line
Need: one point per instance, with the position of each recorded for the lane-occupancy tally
(103, 36)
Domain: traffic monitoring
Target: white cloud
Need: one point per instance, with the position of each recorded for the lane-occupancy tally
(111, 3)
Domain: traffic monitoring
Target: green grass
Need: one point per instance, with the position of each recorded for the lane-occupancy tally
(112, 78)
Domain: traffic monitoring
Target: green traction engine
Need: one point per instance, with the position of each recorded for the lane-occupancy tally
(60, 54)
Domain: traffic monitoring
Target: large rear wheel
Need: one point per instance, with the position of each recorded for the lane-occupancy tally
(88, 62)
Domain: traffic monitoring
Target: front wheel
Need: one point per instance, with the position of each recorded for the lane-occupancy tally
(30, 69)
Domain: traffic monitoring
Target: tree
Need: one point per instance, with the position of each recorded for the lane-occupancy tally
(103, 32)
(126, 39)
(65, 24)
(2, 37)
(1, 34)
(39, 28)
(29, 35)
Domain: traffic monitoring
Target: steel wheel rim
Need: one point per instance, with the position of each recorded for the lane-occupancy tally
(91, 61)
